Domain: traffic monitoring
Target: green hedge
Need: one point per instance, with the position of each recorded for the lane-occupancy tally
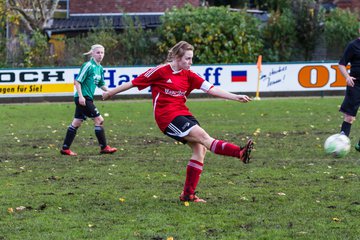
(218, 34)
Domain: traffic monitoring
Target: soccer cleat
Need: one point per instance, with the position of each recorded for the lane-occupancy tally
(245, 151)
(191, 198)
(67, 152)
(357, 147)
(108, 150)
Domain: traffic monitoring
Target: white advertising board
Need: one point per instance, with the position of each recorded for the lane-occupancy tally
(279, 77)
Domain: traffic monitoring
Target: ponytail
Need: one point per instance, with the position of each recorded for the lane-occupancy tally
(93, 47)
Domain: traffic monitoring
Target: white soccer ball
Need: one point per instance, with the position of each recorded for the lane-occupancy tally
(337, 145)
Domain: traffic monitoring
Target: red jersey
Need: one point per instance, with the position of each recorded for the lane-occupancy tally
(169, 90)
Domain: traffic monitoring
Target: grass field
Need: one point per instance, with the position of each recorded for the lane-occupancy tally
(290, 190)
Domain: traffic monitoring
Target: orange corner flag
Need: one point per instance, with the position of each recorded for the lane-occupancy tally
(259, 63)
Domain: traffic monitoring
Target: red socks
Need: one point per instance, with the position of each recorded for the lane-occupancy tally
(194, 168)
(193, 172)
(225, 148)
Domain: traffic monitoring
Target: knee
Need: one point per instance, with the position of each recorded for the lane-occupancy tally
(349, 119)
(99, 121)
(203, 137)
(76, 123)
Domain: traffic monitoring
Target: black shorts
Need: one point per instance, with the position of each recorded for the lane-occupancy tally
(351, 102)
(82, 112)
(180, 127)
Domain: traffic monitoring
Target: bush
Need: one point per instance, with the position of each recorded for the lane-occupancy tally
(132, 46)
(136, 45)
(218, 35)
(341, 26)
(2, 50)
(279, 36)
(35, 50)
(309, 17)
(76, 46)
(2, 34)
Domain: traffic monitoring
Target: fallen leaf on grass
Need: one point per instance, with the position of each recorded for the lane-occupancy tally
(281, 194)
(122, 200)
(21, 208)
(257, 132)
(335, 219)
(10, 210)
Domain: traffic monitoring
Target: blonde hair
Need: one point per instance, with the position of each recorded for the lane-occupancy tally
(93, 47)
(179, 50)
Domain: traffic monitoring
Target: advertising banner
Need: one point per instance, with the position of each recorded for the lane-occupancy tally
(239, 78)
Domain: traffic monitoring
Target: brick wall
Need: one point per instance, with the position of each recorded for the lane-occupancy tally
(127, 6)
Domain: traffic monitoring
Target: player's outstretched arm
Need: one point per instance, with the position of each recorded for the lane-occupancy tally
(122, 88)
(221, 93)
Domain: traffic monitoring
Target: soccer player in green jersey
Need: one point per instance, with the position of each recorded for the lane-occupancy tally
(91, 75)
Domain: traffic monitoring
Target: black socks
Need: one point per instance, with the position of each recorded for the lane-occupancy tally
(70, 136)
(100, 134)
(345, 128)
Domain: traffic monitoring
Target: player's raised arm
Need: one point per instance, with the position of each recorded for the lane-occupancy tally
(122, 88)
(219, 92)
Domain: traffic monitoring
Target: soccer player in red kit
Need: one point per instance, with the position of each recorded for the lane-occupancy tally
(171, 83)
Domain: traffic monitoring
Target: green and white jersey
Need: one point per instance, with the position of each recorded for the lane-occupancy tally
(91, 75)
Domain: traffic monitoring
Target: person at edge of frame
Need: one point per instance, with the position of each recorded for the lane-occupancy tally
(351, 102)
